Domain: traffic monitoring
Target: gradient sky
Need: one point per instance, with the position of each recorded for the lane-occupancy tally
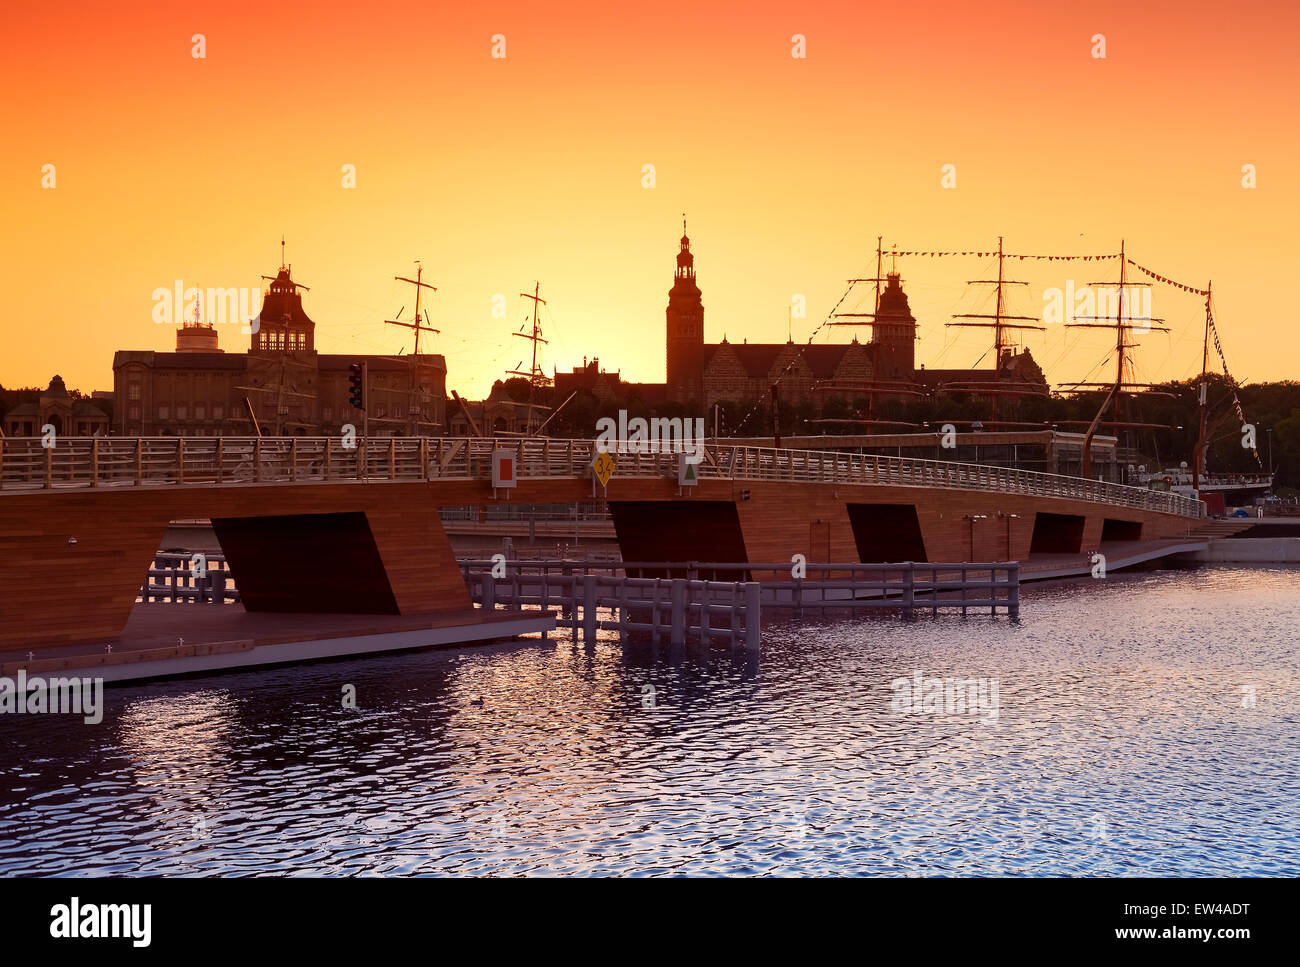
(499, 172)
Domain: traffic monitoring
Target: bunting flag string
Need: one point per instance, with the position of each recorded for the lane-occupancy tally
(1009, 255)
(1167, 281)
(797, 356)
(1065, 258)
(1218, 347)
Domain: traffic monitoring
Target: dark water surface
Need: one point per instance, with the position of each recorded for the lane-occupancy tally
(1124, 744)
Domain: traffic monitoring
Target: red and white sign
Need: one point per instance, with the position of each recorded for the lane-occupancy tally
(503, 468)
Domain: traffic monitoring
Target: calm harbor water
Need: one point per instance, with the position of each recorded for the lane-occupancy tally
(1125, 743)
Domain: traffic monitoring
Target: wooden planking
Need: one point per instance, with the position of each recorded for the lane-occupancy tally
(417, 554)
(53, 593)
(778, 524)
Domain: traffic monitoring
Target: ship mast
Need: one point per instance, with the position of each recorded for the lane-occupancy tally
(1001, 323)
(1122, 325)
(878, 279)
(418, 328)
(874, 385)
(535, 376)
(1198, 455)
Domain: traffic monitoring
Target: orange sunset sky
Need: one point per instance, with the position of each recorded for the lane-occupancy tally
(499, 172)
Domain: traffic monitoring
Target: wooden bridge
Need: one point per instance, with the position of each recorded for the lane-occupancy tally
(310, 526)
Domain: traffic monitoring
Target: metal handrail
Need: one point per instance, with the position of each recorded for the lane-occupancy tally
(87, 462)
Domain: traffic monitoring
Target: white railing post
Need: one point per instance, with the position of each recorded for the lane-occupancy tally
(678, 597)
(753, 617)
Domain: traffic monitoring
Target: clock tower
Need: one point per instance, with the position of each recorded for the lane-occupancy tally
(685, 329)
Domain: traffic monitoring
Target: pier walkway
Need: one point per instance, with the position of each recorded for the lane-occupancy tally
(150, 462)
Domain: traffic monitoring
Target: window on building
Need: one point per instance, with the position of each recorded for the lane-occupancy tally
(200, 411)
(164, 412)
(133, 391)
(218, 411)
(133, 411)
(182, 411)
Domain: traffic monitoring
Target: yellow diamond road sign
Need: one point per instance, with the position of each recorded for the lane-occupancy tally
(603, 466)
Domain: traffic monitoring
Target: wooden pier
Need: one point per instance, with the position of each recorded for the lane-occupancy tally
(681, 601)
(674, 601)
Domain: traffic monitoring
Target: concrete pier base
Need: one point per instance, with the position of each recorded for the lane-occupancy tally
(1255, 550)
(163, 640)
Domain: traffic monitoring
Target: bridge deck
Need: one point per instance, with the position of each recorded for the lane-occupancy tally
(310, 527)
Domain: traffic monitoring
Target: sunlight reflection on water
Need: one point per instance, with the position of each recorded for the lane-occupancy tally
(1123, 744)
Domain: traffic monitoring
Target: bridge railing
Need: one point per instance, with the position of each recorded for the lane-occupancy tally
(80, 462)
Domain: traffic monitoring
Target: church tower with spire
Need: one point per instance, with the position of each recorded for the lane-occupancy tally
(685, 329)
(893, 335)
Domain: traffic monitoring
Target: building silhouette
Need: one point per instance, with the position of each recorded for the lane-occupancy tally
(703, 373)
(69, 414)
(201, 390)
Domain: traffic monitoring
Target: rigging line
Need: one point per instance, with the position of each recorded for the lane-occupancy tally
(949, 336)
(797, 356)
(1088, 374)
(1065, 351)
(1080, 344)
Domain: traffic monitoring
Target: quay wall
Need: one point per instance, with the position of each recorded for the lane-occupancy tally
(1259, 550)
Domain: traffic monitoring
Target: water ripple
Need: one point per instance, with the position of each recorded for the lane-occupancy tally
(1146, 726)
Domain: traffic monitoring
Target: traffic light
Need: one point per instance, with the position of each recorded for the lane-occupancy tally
(356, 387)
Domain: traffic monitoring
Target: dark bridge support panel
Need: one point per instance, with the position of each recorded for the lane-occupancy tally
(887, 533)
(310, 563)
(1121, 530)
(1057, 534)
(663, 530)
